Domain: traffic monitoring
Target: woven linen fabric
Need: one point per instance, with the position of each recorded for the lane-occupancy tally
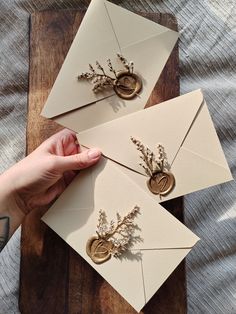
(207, 60)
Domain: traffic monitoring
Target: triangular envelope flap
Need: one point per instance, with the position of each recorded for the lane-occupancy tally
(154, 43)
(130, 27)
(202, 139)
(156, 51)
(157, 267)
(161, 230)
(166, 123)
(192, 173)
(95, 40)
(206, 173)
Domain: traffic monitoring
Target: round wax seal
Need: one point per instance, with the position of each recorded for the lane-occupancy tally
(99, 250)
(161, 183)
(127, 85)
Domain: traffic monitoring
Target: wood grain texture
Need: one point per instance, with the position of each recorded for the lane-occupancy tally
(54, 278)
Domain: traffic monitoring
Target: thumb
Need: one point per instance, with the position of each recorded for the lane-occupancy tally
(79, 161)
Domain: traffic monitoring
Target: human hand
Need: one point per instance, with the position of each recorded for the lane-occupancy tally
(43, 175)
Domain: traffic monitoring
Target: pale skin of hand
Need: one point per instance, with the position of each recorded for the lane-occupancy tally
(41, 177)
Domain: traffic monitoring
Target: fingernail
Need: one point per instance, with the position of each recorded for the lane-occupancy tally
(94, 153)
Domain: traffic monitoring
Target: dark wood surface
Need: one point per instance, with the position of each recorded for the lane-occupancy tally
(54, 278)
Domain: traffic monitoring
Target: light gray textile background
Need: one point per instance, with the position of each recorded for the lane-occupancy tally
(207, 61)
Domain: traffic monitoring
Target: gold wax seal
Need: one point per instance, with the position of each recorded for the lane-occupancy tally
(111, 239)
(99, 250)
(161, 181)
(125, 83)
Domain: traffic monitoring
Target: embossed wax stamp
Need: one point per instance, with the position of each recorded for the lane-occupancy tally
(111, 239)
(161, 181)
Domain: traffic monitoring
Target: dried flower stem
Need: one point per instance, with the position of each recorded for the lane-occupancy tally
(126, 221)
(123, 230)
(102, 80)
(152, 165)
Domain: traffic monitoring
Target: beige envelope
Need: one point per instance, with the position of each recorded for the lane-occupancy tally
(105, 30)
(183, 126)
(164, 240)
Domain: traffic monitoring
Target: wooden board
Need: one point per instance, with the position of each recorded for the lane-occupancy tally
(54, 278)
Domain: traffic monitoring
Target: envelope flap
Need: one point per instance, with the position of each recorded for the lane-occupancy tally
(161, 230)
(94, 41)
(201, 134)
(131, 28)
(166, 123)
(157, 267)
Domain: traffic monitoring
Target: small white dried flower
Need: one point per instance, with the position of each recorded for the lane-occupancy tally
(152, 165)
(119, 233)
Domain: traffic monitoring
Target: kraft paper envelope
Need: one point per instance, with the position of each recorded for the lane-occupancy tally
(105, 30)
(183, 126)
(164, 241)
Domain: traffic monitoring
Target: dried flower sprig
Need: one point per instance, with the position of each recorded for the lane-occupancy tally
(161, 181)
(119, 233)
(103, 80)
(100, 80)
(128, 65)
(111, 69)
(152, 164)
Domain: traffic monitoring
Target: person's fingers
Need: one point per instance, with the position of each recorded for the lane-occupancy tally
(78, 161)
(62, 134)
(62, 143)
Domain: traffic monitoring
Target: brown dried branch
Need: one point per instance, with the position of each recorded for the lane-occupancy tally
(152, 165)
(111, 67)
(129, 66)
(91, 68)
(126, 221)
(100, 80)
(103, 80)
(120, 234)
(99, 67)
